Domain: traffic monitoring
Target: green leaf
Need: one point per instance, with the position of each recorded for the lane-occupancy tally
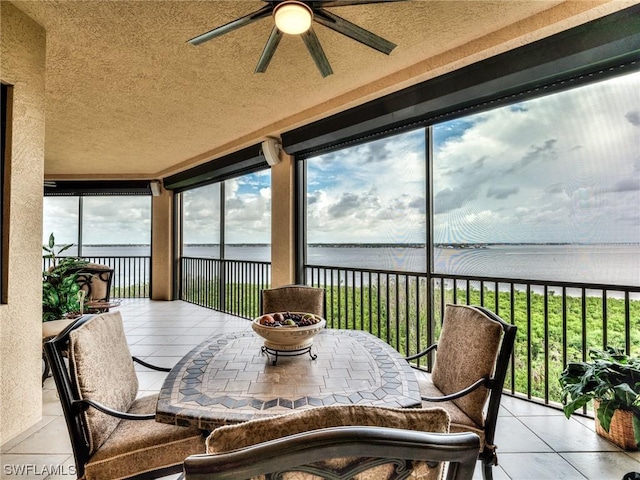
(52, 241)
(64, 248)
(605, 413)
(576, 404)
(635, 420)
(625, 394)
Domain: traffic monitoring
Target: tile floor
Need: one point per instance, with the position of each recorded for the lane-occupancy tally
(535, 442)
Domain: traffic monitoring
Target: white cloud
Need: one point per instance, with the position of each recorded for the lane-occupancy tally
(568, 158)
(564, 167)
(107, 220)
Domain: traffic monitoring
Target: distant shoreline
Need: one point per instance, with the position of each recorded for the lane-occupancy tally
(380, 245)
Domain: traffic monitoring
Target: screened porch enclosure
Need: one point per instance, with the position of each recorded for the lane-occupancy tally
(512, 183)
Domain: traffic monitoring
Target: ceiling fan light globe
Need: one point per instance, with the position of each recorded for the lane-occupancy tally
(293, 17)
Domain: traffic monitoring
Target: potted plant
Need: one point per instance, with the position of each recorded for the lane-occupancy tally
(612, 380)
(59, 283)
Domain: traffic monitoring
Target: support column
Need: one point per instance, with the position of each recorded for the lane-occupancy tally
(282, 222)
(162, 246)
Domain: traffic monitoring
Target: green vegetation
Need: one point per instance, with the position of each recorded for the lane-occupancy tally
(59, 283)
(395, 308)
(391, 313)
(612, 378)
(131, 291)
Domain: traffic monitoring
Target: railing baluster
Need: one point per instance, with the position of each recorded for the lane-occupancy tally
(564, 327)
(512, 313)
(546, 343)
(583, 308)
(532, 305)
(605, 326)
(529, 366)
(627, 324)
(131, 278)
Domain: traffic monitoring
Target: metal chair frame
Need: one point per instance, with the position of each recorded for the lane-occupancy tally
(73, 406)
(494, 384)
(373, 445)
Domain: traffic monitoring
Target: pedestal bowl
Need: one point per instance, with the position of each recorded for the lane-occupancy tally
(296, 335)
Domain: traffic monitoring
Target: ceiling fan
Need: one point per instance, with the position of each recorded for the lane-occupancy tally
(295, 18)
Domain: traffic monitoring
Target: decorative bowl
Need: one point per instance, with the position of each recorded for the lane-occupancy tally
(289, 338)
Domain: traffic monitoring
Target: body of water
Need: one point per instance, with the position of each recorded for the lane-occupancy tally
(600, 264)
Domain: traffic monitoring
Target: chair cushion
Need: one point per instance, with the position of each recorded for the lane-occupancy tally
(467, 351)
(137, 446)
(54, 327)
(460, 422)
(293, 298)
(232, 437)
(94, 278)
(101, 363)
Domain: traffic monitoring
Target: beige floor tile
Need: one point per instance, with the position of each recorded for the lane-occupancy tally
(7, 446)
(602, 465)
(52, 438)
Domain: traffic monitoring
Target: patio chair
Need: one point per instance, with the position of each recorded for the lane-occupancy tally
(293, 298)
(113, 433)
(471, 363)
(338, 442)
(95, 280)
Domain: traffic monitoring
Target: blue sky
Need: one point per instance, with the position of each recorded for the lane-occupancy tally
(560, 168)
(370, 193)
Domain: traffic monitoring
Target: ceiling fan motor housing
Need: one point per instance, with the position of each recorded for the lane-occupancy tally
(293, 17)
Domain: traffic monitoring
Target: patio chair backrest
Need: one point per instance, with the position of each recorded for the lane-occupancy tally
(100, 362)
(475, 343)
(467, 350)
(95, 279)
(338, 441)
(293, 298)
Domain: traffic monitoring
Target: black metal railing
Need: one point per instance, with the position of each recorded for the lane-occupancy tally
(558, 322)
(230, 286)
(131, 275)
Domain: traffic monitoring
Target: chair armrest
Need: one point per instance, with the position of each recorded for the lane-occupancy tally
(84, 404)
(148, 365)
(428, 350)
(484, 381)
(286, 453)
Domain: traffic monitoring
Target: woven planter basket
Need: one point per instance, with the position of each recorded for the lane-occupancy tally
(620, 430)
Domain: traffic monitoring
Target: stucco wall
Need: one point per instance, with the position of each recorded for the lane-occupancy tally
(22, 64)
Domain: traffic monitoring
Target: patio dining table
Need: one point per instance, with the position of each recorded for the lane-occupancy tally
(228, 379)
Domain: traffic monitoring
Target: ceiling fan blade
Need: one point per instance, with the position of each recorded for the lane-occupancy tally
(269, 50)
(229, 27)
(317, 53)
(344, 3)
(352, 30)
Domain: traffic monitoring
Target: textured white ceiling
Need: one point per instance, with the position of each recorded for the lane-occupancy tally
(128, 97)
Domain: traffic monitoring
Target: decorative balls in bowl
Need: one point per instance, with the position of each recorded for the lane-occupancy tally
(288, 330)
